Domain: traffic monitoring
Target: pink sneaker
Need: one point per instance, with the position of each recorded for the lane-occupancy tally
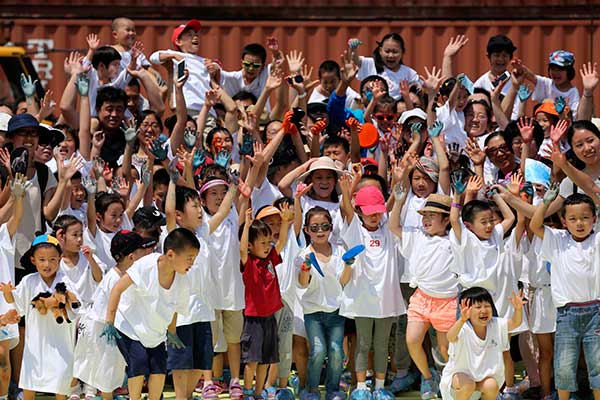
(235, 390)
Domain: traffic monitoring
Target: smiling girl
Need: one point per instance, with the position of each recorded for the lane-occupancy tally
(387, 63)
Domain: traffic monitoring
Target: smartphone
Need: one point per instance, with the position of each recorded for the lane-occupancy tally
(501, 78)
(180, 70)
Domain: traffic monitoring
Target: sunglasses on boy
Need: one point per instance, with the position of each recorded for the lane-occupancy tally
(251, 65)
(314, 228)
(385, 117)
(297, 79)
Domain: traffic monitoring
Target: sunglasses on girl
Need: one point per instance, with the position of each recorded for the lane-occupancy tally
(251, 65)
(314, 228)
(385, 117)
(495, 150)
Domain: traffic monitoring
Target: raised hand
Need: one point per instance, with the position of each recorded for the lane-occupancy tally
(98, 139)
(93, 41)
(302, 189)
(28, 85)
(558, 131)
(90, 185)
(517, 300)
(173, 171)
(465, 309)
(465, 82)
(353, 43)
(457, 179)
(198, 159)
(46, 104)
(223, 158)
(158, 150)
(212, 97)
(70, 61)
(288, 126)
(525, 126)
(404, 89)
(99, 166)
(559, 104)
(400, 191)
(274, 80)
(552, 193)
(248, 217)
(516, 181)
(189, 137)
(553, 152)
(589, 77)
(524, 93)
(435, 129)
(273, 44)
(129, 130)
(415, 130)
(295, 61)
(474, 152)
(432, 80)
(19, 185)
(247, 145)
(456, 43)
(286, 212)
(474, 184)
(66, 171)
(258, 157)
(349, 68)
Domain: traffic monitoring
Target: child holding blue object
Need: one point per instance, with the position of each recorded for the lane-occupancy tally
(323, 274)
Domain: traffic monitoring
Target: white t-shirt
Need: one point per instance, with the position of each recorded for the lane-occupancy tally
(286, 272)
(81, 278)
(48, 355)
(145, 312)
(575, 273)
(476, 261)
(508, 274)
(7, 273)
(374, 289)
(226, 291)
(120, 82)
(264, 195)
(323, 294)
(393, 78)
(432, 257)
(80, 214)
(542, 311)
(100, 244)
(475, 357)
(351, 95)
(454, 124)
(546, 89)
(102, 293)
(200, 309)
(484, 82)
(233, 82)
(198, 82)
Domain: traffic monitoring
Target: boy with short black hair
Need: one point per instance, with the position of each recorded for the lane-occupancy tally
(258, 259)
(575, 284)
(161, 286)
(329, 78)
(476, 240)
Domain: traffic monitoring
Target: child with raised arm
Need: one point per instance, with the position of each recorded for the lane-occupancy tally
(47, 364)
(158, 283)
(371, 297)
(434, 302)
(477, 242)
(195, 360)
(97, 363)
(575, 284)
(258, 258)
(186, 41)
(477, 340)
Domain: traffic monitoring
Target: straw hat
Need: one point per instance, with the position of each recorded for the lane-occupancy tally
(322, 163)
(439, 203)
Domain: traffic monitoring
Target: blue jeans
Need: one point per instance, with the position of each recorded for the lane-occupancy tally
(325, 333)
(577, 325)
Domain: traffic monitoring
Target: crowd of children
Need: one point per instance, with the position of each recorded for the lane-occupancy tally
(424, 232)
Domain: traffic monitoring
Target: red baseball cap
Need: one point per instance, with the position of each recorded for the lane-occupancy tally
(370, 200)
(193, 23)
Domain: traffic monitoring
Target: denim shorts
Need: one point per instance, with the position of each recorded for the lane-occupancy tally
(577, 325)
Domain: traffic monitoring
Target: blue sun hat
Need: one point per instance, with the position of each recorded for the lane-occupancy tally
(562, 58)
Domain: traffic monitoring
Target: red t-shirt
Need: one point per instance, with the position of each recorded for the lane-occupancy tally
(261, 285)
